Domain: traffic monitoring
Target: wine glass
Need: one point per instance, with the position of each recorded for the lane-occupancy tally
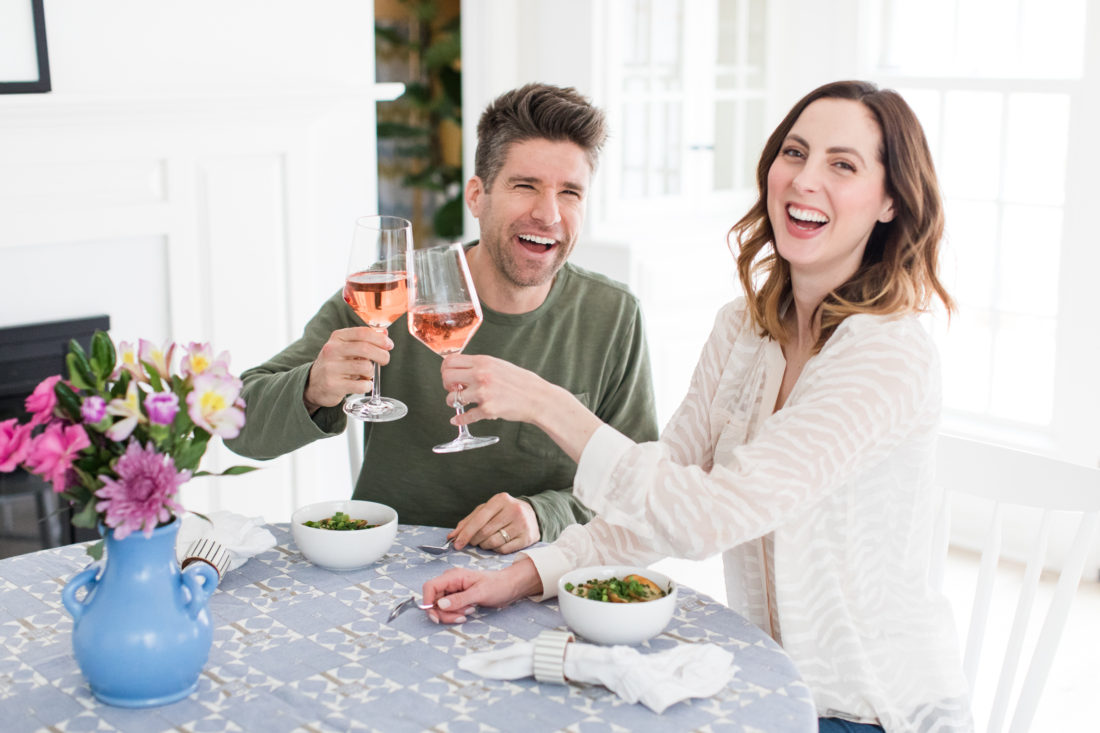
(375, 289)
(444, 313)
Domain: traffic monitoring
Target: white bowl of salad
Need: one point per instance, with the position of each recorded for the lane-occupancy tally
(344, 535)
(616, 604)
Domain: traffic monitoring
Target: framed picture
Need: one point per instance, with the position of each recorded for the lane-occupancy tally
(24, 65)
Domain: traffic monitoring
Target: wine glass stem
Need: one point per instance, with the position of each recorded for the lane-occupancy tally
(376, 388)
(463, 432)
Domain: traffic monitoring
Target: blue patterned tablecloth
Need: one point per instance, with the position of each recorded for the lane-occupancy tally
(299, 648)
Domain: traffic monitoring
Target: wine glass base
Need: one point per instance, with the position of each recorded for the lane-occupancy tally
(386, 409)
(465, 443)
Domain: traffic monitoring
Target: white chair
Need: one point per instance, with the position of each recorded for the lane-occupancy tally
(1050, 488)
(354, 434)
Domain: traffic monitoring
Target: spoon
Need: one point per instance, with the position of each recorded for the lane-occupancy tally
(405, 605)
(433, 550)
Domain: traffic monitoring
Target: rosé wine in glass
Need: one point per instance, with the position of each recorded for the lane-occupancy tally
(376, 289)
(444, 313)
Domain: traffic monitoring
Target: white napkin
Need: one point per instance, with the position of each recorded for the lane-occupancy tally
(241, 536)
(657, 680)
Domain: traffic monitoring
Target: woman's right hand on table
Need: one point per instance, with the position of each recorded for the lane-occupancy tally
(457, 592)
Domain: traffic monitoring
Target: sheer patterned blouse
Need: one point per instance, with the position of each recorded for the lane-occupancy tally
(824, 510)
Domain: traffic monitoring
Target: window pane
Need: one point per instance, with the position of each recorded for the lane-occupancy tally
(1035, 150)
(1028, 280)
(1022, 388)
(984, 38)
(970, 254)
(965, 351)
(972, 144)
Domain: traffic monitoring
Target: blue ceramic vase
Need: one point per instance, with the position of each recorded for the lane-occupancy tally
(142, 631)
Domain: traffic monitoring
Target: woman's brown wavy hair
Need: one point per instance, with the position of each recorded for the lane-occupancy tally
(898, 271)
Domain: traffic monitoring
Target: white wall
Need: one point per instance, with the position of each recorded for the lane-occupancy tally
(195, 174)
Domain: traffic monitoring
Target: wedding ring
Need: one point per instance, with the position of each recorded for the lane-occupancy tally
(505, 535)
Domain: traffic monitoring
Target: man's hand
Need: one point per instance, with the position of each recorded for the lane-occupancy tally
(504, 524)
(345, 366)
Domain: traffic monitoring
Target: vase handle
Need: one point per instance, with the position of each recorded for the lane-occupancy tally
(85, 578)
(200, 579)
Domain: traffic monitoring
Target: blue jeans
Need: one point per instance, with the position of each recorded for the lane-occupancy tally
(837, 725)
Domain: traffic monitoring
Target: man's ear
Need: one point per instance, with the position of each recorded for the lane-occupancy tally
(474, 191)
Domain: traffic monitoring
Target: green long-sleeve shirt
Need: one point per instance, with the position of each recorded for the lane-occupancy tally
(587, 336)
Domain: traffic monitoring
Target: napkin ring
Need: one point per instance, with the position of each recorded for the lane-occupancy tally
(550, 656)
(210, 552)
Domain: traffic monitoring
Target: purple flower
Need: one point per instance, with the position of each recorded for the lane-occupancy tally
(94, 409)
(162, 407)
(144, 494)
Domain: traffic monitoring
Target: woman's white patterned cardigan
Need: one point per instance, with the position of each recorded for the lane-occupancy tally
(832, 497)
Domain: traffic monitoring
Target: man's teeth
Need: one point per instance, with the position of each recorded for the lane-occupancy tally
(807, 215)
(537, 240)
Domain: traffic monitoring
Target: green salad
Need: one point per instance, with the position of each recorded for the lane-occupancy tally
(339, 520)
(631, 589)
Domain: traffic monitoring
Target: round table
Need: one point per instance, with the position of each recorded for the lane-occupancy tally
(297, 647)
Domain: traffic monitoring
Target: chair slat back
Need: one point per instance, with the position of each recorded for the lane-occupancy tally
(1005, 477)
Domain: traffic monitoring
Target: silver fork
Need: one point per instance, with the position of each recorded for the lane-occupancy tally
(405, 605)
(433, 550)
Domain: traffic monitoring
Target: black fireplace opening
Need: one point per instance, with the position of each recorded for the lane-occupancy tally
(28, 354)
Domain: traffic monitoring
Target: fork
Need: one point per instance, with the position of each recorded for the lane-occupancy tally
(433, 550)
(405, 605)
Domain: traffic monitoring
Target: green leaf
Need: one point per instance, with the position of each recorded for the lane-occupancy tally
(80, 372)
(68, 400)
(390, 35)
(418, 92)
(95, 551)
(399, 130)
(238, 470)
(451, 81)
(444, 52)
(447, 221)
(154, 376)
(87, 516)
(120, 386)
(103, 355)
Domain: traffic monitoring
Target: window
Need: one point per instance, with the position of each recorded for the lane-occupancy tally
(996, 101)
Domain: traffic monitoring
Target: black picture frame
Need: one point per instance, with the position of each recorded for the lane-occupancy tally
(38, 29)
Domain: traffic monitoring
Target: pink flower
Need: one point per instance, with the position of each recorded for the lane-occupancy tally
(159, 358)
(52, 453)
(42, 401)
(212, 404)
(15, 442)
(199, 360)
(162, 407)
(94, 409)
(144, 494)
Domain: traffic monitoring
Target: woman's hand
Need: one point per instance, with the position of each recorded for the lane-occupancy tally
(457, 592)
(345, 365)
(500, 389)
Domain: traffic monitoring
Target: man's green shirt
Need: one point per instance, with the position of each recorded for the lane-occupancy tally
(587, 336)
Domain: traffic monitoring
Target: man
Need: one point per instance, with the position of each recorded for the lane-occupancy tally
(538, 147)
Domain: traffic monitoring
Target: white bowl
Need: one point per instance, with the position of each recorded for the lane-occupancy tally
(344, 549)
(615, 623)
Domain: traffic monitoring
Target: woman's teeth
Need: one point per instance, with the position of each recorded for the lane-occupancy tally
(807, 216)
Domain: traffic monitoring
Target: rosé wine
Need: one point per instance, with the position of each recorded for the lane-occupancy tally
(445, 329)
(379, 298)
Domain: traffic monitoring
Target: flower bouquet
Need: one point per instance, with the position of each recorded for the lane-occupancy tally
(117, 439)
(120, 436)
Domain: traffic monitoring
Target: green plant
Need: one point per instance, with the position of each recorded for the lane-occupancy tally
(419, 134)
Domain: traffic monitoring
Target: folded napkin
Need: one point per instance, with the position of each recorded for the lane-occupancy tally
(226, 541)
(657, 680)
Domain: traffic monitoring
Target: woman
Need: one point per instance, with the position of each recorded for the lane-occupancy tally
(804, 448)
